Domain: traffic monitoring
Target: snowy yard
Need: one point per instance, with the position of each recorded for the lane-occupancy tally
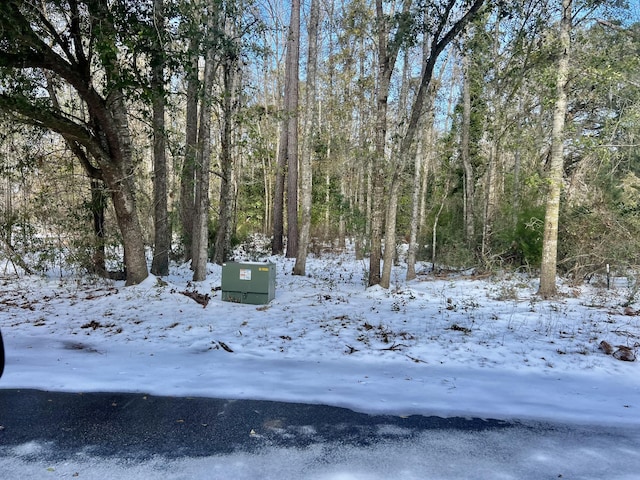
(445, 345)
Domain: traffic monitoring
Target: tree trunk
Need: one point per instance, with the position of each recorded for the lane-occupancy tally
(268, 188)
(390, 233)
(311, 120)
(227, 191)
(162, 238)
(434, 233)
(490, 193)
(287, 167)
(386, 62)
(390, 247)
(277, 247)
(342, 222)
(187, 175)
(127, 217)
(421, 173)
(117, 172)
(200, 243)
(291, 100)
(550, 239)
(465, 155)
(415, 209)
(98, 206)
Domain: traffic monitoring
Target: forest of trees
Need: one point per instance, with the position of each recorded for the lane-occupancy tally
(484, 133)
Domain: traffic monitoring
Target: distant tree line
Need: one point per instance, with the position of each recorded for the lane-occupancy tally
(475, 132)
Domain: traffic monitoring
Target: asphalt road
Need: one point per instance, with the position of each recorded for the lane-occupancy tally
(141, 426)
(1, 355)
(114, 436)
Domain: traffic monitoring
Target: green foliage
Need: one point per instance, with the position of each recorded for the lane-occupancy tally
(251, 205)
(603, 229)
(594, 237)
(453, 252)
(522, 244)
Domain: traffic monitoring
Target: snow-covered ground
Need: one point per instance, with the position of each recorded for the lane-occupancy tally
(449, 345)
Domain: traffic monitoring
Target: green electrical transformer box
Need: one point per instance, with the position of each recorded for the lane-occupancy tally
(248, 282)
